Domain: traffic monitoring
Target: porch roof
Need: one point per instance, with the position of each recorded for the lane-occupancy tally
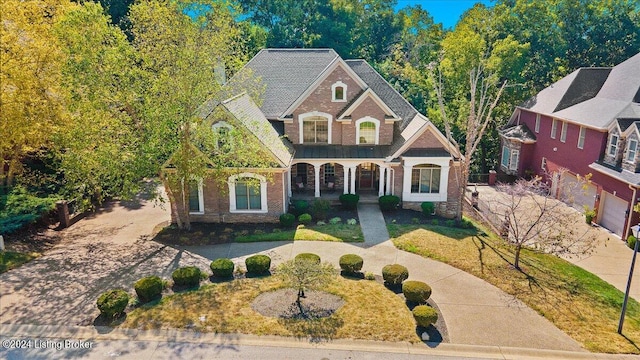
(617, 173)
(340, 151)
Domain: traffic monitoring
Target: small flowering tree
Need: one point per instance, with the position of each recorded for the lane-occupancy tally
(533, 218)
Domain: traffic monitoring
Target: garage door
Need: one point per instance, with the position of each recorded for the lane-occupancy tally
(577, 194)
(612, 213)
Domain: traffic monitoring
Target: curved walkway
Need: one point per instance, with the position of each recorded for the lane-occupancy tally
(111, 249)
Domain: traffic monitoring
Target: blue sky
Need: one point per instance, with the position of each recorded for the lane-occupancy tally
(447, 12)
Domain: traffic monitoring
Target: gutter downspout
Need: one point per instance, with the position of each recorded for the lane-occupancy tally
(633, 203)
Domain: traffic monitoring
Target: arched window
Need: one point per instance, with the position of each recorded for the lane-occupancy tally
(425, 179)
(367, 131)
(222, 130)
(339, 92)
(315, 128)
(247, 193)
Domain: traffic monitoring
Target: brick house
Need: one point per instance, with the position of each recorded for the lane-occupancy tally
(333, 126)
(586, 123)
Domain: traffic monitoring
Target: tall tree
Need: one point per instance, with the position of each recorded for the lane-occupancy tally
(32, 101)
(100, 145)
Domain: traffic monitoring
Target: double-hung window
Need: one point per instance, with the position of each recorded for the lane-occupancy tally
(632, 148)
(554, 128)
(315, 129)
(613, 145)
(425, 179)
(581, 137)
(563, 132)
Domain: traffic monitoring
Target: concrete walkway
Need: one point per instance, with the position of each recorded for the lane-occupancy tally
(112, 249)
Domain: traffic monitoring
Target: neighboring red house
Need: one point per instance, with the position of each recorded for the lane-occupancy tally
(332, 126)
(586, 123)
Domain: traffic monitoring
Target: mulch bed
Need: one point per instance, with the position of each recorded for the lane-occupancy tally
(407, 216)
(282, 304)
(222, 233)
(35, 238)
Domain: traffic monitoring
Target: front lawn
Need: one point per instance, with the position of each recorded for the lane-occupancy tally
(370, 312)
(576, 301)
(10, 260)
(328, 232)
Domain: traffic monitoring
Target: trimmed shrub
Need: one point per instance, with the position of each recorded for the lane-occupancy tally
(335, 220)
(222, 268)
(287, 220)
(112, 303)
(320, 208)
(304, 219)
(428, 208)
(258, 264)
(187, 276)
(388, 202)
(349, 201)
(369, 275)
(308, 257)
(394, 274)
(351, 263)
(300, 207)
(148, 288)
(631, 241)
(425, 315)
(416, 291)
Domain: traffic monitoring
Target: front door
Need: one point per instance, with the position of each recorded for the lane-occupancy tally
(365, 177)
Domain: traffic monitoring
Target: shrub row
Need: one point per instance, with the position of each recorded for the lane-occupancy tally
(416, 292)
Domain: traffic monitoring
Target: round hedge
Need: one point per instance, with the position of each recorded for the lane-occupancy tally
(425, 315)
(351, 263)
(112, 303)
(187, 276)
(287, 220)
(394, 274)
(416, 291)
(308, 257)
(349, 201)
(222, 268)
(304, 219)
(148, 288)
(631, 242)
(258, 264)
(388, 202)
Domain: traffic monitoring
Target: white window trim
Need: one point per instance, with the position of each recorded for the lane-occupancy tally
(200, 200)
(220, 124)
(344, 91)
(537, 128)
(302, 117)
(610, 145)
(554, 128)
(232, 193)
(563, 132)
(375, 121)
(409, 163)
(635, 153)
(513, 165)
(582, 137)
(543, 164)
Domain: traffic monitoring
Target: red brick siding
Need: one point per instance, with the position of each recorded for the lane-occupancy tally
(367, 108)
(428, 140)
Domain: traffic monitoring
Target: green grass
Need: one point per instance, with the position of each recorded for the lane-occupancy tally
(337, 232)
(370, 312)
(575, 300)
(10, 260)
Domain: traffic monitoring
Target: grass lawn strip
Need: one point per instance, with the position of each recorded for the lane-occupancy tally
(329, 232)
(10, 260)
(575, 300)
(370, 312)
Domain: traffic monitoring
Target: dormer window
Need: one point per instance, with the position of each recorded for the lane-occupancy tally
(612, 149)
(632, 148)
(339, 92)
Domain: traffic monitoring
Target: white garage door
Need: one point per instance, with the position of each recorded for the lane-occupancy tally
(612, 213)
(577, 194)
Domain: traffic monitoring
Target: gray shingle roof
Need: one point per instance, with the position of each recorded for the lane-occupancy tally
(340, 151)
(593, 97)
(428, 152)
(622, 175)
(287, 73)
(386, 92)
(248, 113)
(519, 132)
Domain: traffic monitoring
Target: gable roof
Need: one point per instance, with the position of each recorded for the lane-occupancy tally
(520, 133)
(592, 97)
(384, 90)
(249, 115)
(287, 73)
(359, 99)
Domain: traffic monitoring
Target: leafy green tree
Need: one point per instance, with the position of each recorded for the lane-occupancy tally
(306, 274)
(32, 99)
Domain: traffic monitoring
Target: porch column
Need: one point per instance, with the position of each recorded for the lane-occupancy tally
(388, 189)
(381, 181)
(289, 183)
(316, 169)
(352, 190)
(345, 183)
